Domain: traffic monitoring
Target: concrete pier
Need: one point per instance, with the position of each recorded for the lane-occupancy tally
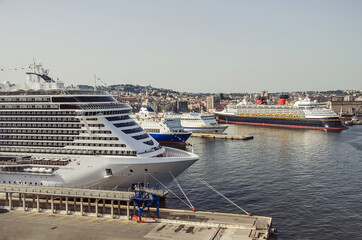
(222, 136)
(18, 213)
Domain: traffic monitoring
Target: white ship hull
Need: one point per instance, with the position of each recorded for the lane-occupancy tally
(207, 129)
(90, 171)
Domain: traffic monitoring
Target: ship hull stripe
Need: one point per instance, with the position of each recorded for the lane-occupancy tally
(289, 123)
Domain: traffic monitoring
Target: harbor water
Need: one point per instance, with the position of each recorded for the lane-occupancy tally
(308, 181)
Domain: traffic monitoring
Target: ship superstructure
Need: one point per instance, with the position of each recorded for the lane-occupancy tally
(73, 138)
(303, 114)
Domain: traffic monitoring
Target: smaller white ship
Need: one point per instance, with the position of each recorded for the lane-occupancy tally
(199, 123)
(166, 131)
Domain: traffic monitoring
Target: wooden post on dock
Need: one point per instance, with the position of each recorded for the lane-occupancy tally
(104, 206)
(52, 203)
(96, 202)
(81, 206)
(112, 206)
(89, 205)
(119, 208)
(24, 203)
(75, 204)
(10, 201)
(37, 203)
(66, 205)
(128, 210)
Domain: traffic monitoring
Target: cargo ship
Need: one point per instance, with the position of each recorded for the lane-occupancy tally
(303, 114)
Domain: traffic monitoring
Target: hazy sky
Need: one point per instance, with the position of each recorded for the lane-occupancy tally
(194, 46)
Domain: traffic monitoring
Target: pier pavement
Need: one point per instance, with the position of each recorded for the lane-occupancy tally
(27, 213)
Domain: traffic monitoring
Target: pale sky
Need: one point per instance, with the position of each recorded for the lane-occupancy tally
(193, 46)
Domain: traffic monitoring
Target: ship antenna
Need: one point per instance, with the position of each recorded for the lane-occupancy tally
(95, 82)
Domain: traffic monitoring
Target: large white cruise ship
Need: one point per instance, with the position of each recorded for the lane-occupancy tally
(72, 138)
(303, 114)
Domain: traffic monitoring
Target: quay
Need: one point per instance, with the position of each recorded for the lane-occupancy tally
(222, 136)
(38, 212)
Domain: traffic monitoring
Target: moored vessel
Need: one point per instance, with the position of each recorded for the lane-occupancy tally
(54, 136)
(166, 131)
(199, 123)
(303, 114)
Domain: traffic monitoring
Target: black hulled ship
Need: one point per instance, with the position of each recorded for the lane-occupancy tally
(303, 114)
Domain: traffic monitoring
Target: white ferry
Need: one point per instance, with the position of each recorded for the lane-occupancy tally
(166, 131)
(199, 123)
(61, 137)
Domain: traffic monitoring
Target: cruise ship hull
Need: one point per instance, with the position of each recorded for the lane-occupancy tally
(171, 137)
(90, 171)
(308, 123)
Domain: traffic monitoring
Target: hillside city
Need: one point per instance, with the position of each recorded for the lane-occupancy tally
(343, 102)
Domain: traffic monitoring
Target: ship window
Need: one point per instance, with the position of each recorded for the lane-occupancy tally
(109, 172)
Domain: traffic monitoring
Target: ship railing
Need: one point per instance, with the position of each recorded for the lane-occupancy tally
(55, 92)
(175, 153)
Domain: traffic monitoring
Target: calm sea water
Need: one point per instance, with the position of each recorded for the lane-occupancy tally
(308, 181)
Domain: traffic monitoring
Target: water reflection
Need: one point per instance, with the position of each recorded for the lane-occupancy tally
(307, 180)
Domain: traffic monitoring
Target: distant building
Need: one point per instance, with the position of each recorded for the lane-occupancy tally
(346, 107)
(182, 106)
(212, 103)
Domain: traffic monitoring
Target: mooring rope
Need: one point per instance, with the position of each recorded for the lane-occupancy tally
(170, 191)
(179, 186)
(222, 195)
